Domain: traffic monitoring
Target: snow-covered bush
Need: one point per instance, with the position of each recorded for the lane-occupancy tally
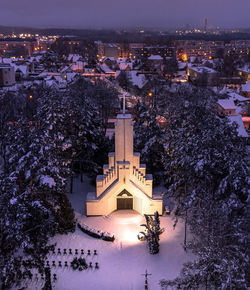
(79, 264)
(96, 233)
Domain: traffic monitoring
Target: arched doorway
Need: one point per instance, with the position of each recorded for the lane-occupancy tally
(124, 200)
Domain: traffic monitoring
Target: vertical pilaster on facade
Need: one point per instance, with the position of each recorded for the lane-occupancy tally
(136, 159)
(105, 169)
(143, 169)
(111, 159)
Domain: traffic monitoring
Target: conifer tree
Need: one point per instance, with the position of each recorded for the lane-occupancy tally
(65, 215)
(152, 233)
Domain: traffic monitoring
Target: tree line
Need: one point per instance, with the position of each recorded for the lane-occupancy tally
(44, 138)
(202, 162)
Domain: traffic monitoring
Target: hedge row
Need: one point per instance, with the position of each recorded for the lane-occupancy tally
(96, 234)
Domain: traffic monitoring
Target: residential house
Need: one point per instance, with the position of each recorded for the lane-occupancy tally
(7, 75)
(245, 89)
(202, 75)
(244, 73)
(226, 107)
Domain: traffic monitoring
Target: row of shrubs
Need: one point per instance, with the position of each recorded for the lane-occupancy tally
(96, 234)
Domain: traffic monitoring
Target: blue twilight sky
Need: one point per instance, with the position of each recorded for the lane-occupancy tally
(122, 14)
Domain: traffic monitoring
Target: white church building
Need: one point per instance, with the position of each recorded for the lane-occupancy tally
(124, 183)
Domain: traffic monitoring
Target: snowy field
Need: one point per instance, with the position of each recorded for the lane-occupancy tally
(123, 262)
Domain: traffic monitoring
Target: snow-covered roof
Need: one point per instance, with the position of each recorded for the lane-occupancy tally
(58, 78)
(227, 104)
(192, 58)
(207, 61)
(73, 57)
(246, 87)
(203, 69)
(105, 68)
(138, 80)
(70, 76)
(55, 81)
(239, 110)
(55, 84)
(237, 97)
(181, 73)
(155, 57)
(23, 68)
(35, 58)
(247, 70)
(6, 60)
(182, 65)
(43, 74)
(40, 52)
(124, 65)
(108, 58)
(238, 120)
(64, 69)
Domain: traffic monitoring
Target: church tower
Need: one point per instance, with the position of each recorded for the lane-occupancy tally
(124, 183)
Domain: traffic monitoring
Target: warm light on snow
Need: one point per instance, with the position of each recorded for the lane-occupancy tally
(130, 236)
(126, 259)
(127, 226)
(137, 219)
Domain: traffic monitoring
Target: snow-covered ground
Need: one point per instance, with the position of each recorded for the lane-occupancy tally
(123, 262)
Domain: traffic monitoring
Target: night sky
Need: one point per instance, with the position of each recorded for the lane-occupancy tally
(122, 14)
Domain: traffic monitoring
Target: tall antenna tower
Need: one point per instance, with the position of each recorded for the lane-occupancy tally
(205, 26)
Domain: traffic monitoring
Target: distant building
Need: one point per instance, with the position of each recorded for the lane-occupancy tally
(107, 49)
(246, 122)
(7, 75)
(202, 75)
(238, 48)
(198, 48)
(226, 107)
(244, 74)
(140, 50)
(15, 45)
(230, 109)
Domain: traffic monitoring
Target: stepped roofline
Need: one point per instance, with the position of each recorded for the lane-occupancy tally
(123, 172)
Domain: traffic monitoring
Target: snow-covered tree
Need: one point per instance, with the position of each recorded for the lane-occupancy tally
(39, 159)
(151, 233)
(207, 175)
(27, 222)
(148, 137)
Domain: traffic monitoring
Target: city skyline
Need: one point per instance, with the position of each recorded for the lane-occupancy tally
(98, 14)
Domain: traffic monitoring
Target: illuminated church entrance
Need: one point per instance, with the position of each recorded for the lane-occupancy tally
(124, 200)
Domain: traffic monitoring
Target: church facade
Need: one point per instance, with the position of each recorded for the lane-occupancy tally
(124, 183)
